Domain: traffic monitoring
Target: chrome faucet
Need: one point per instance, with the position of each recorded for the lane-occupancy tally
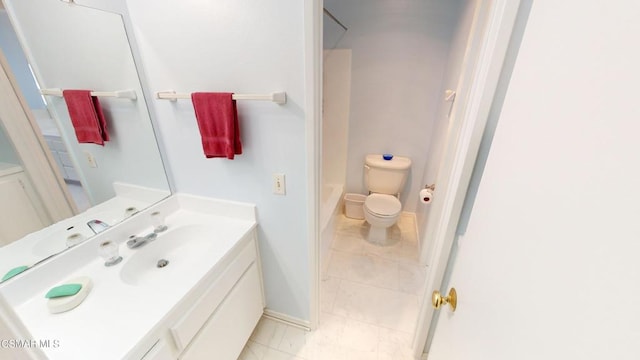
(97, 226)
(135, 241)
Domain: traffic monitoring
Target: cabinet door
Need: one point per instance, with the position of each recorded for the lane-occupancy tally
(159, 351)
(225, 333)
(19, 215)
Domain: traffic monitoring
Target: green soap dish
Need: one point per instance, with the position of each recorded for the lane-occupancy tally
(13, 272)
(68, 295)
(63, 290)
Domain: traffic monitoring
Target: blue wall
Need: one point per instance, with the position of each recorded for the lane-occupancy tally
(18, 62)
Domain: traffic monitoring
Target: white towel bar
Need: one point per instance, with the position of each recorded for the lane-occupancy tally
(123, 94)
(276, 97)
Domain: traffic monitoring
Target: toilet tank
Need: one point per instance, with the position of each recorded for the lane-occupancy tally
(385, 176)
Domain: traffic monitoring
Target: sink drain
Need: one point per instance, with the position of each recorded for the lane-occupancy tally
(162, 263)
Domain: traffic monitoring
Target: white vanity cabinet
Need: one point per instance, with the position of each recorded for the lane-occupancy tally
(159, 351)
(20, 209)
(202, 303)
(217, 322)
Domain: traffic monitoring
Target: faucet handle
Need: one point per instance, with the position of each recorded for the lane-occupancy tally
(137, 241)
(157, 220)
(109, 252)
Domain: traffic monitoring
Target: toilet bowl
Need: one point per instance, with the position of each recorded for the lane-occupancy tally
(381, 211)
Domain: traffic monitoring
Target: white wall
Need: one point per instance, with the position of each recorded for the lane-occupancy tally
(242, 46)
(96, 58)
(336, 92)
(331, 32)
(19, 65)
(442, 122)
(400, 51)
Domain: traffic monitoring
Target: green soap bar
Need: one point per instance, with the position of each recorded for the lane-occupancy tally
(13, 272)
(63, 290)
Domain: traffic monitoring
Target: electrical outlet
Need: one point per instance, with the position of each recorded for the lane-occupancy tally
(279, 187)
(90, 159)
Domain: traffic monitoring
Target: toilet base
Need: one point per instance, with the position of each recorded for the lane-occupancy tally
(378, 235)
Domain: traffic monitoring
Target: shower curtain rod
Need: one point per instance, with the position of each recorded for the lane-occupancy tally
(334, 19)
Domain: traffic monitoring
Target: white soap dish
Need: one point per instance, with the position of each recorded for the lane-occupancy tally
(66, 303)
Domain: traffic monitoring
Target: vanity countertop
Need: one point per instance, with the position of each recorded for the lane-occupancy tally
(118, 313)
(52, 239)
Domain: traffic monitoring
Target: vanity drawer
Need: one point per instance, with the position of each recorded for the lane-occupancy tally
(188, 326)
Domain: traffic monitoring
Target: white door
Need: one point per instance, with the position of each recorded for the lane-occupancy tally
(20, 126)
(549, 265)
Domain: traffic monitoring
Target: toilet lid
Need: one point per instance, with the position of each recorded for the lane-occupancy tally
(383, 204)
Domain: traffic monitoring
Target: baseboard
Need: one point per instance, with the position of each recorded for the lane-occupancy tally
(415, 222)
(411, 215)
(286, 319)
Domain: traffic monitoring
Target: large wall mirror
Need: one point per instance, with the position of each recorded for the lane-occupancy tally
(63, 45)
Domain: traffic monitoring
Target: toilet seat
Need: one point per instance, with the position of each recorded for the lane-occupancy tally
(382, 205)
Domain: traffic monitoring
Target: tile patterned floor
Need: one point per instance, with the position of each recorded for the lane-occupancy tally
(370, 299)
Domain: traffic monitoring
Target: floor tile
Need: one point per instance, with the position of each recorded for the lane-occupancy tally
(348, 243)
(394, 345)
(269, 332)
(366, 269)
(328, 291)
(387, 308)
(294, 341)
(273, 354)
(369, 302)
(412, 278)
(359, 336)
(326, 352)
(353, 227)
(253, 351)
(328, 334)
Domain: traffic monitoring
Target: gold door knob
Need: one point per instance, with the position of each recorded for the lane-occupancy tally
(438, 300)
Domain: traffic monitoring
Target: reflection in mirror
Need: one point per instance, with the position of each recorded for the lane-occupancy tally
(75, 47)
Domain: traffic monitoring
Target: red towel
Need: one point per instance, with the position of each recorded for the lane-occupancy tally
(218, 123)
(86, 116)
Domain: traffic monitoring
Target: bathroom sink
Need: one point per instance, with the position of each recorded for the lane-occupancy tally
(171, 256)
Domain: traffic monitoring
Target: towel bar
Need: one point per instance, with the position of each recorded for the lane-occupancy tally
(123, 94)
(276, 97)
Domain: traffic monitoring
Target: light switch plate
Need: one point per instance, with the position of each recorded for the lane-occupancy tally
(279, 187)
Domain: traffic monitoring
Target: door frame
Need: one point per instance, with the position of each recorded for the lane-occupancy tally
(458, 159)
(313, 12)
(37, 161)
(460, 155)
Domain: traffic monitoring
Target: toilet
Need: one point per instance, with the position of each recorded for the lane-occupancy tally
(384, 179)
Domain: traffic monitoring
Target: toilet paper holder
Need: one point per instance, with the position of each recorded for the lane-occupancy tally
(431, 187)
